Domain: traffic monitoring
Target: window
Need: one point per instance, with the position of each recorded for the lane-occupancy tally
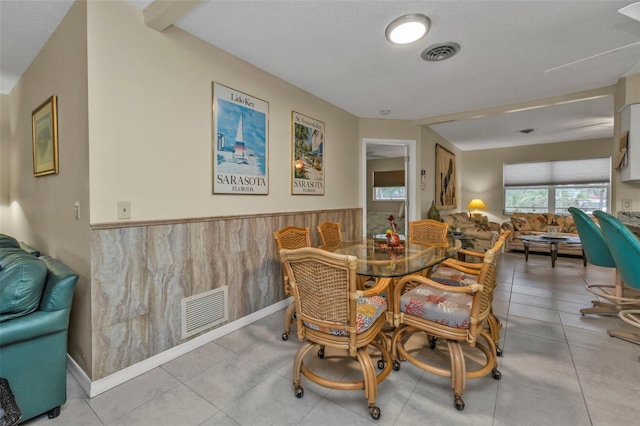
(554, 186)
(388, 185)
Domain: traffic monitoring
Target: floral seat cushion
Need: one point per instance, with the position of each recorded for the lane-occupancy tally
(449, 309)
(369, 310)
(453, 277)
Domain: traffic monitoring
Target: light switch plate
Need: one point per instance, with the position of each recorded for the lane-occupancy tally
(626, 204)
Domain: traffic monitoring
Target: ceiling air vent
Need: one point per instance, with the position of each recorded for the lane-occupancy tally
(440, 52)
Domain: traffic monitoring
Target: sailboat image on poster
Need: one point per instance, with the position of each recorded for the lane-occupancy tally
(240, 142)
(240, 150)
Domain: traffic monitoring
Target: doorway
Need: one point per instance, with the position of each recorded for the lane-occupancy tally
(404, 153)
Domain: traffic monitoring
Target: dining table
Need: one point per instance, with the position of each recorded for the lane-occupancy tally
(376, 259)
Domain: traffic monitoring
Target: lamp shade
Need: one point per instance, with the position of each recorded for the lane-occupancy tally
(477, 204)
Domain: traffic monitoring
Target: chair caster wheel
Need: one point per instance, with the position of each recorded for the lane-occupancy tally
(299, 392)
(498, 351)
(459, 403)
(381, 364)
(395, 365)
(53, 413)
(375, 412)
(432, 342)
(321, 352)
(496, 374)
(285, 336)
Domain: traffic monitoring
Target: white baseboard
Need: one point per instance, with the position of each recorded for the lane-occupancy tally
(102, 385)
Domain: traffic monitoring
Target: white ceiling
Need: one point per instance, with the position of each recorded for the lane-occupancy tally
(337, 51)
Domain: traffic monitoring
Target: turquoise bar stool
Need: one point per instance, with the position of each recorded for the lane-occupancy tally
(625, 249)
(597, 253)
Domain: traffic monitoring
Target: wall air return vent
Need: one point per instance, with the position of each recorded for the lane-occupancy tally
(204, 310)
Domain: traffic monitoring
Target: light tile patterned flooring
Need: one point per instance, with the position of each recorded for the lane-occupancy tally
(559, 368)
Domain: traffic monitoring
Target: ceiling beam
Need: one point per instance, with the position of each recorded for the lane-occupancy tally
(160, 14)
(521, 106)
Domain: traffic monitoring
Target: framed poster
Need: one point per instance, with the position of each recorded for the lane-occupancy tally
(445, 179)
(240, 142)
(307, 153)
(44, 134)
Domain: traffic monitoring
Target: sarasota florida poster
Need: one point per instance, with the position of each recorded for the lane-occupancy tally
(240, 142)
(308, 155)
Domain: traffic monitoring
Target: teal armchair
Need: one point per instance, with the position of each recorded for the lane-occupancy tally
(34, 328)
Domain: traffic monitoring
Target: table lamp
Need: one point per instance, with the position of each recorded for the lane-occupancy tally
(475, 205)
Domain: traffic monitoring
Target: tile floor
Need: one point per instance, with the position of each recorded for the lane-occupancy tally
(559, 368)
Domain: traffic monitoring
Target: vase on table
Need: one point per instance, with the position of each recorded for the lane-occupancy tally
(434, 213)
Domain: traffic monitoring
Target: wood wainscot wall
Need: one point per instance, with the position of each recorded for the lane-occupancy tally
(142, 270)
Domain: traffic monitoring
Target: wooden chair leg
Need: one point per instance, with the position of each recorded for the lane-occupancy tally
(288, 316)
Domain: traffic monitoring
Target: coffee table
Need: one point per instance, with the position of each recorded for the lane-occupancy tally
(554, 242)
(465, 243)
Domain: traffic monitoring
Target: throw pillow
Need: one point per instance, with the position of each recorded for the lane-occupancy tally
(569, 226)
(520, 223)
(22, 281)
(539, 222)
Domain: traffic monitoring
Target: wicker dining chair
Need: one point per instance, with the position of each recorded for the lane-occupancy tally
(454, 314)
(330, 233)
(429, 232)
(291, 237)
(332, 313)
(456, 272)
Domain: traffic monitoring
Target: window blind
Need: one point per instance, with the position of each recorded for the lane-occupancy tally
(391, 178)
(566, 172)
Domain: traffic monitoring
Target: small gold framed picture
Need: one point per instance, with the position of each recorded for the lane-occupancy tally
(44, 130)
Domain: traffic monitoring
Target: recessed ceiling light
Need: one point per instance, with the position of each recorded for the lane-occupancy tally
(408, 28)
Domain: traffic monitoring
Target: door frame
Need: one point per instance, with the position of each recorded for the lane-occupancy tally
(412, 203)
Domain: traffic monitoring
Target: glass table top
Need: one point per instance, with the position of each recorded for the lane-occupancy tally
(375, 259)
(545, 238)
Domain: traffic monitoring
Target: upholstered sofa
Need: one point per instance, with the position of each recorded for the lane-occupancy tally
(537, 224)
(35, 301)
(479, 234)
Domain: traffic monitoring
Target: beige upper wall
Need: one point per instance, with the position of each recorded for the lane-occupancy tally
(41, 209)
(371, 128)
(482, 170)
(151, 125)
(428, 140)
